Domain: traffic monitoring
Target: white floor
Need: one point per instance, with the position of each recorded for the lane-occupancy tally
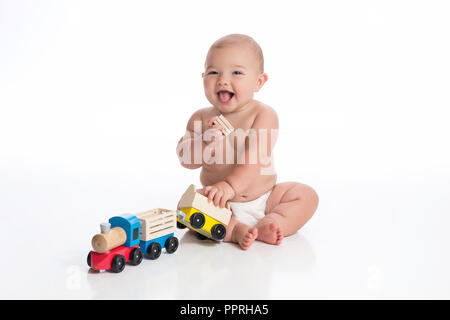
(373, 239)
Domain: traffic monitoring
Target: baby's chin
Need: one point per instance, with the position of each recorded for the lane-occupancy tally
(232, 107)
(225, 108)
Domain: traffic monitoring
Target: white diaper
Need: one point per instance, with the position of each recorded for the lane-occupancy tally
(250, 212)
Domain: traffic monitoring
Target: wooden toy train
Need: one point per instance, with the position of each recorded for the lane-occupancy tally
(128, 238)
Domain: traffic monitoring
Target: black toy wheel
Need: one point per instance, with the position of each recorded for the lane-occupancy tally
(218, 232)
(197, 220)
(180, 225)
(154, 251)
(171, 245)
(199, 236)
(89, 259)
(136, 256)
(118, 263)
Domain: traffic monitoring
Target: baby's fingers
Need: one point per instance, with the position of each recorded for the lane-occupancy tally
(211, 194)
(223, 202)
(212, 121)
(201, 191)
(206, 190)
(218, 198)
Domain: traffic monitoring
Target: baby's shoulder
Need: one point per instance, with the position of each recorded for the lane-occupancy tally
(263, 109)
(265, 115)
(204, 113)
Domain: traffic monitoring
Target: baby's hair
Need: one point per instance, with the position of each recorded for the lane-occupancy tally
(237, 38)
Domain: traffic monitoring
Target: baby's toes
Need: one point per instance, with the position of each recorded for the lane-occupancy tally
(249, 238)
(279, 236)
(245, 244)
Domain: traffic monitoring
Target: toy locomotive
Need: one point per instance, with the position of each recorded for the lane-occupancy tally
(128, 238)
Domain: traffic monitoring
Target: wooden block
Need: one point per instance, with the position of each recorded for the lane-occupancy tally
(225, 124)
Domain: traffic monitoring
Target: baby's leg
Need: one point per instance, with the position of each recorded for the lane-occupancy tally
(240, 233)
(289, 207)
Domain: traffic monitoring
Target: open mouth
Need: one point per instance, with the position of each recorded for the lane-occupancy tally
(225, 96)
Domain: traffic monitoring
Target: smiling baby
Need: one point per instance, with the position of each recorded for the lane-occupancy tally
(262, 209)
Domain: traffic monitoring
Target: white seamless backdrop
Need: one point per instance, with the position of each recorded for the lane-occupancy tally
(94, 96)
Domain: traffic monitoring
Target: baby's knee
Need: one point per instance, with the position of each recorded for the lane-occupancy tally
(307, 193)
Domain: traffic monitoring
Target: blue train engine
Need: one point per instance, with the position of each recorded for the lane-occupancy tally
(128, 238)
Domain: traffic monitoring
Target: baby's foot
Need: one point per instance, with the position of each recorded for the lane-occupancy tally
(244, 236)
(270, 233)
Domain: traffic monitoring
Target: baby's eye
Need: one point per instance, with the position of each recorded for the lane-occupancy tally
(212, 72)
(237, 72)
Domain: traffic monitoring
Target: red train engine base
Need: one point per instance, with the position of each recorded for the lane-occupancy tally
(116, 258)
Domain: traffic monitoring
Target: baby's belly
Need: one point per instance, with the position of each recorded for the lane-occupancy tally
(257, 187)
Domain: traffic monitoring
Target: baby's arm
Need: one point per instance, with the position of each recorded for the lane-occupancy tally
(186, 145)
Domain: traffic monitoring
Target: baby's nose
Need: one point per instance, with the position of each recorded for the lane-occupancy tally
(223, 81)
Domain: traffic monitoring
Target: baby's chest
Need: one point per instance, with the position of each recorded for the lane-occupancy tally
(241, 123)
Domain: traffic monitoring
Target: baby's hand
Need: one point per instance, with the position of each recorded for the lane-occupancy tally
(212, 124)
(220, 193)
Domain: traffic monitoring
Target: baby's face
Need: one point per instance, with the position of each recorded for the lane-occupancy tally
(231, 77)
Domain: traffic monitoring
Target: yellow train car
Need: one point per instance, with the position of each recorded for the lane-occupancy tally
(195, 212)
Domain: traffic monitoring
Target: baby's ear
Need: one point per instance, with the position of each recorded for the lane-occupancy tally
(203, 74)
(261, 80)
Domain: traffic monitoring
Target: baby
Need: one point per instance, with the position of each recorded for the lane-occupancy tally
(262, 209)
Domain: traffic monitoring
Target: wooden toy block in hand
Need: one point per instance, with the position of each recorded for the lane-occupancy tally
(227, 128)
